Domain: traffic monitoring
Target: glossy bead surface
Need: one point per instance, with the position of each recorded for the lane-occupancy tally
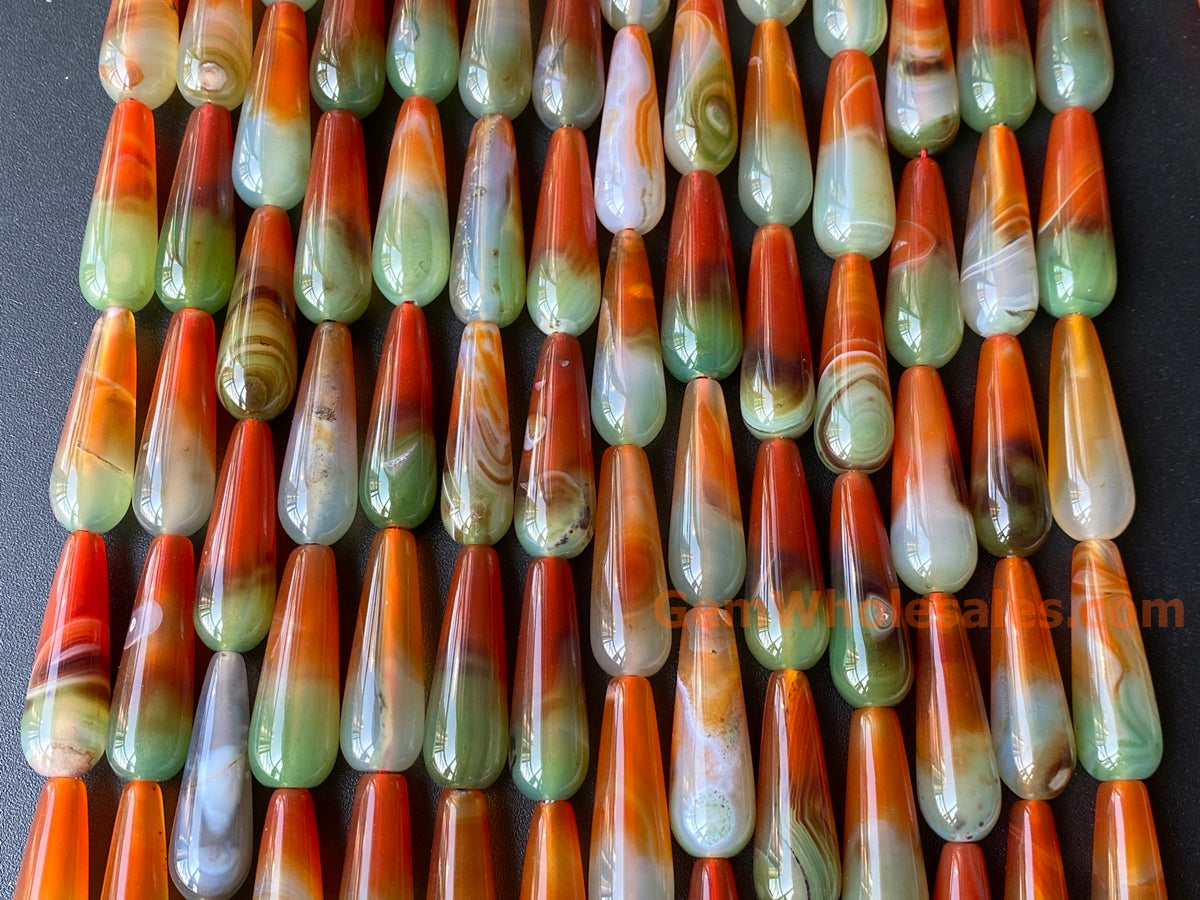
(644, 14)
(995, 66)
(422, 50)
(495, 69)
(137, 855)
(1125, 859)
(962, 874)
(91, 481)
(553, 868)
(1033, 866)
(568, 71)
(1074, 55)
(289, 856)
(712, 879)
(54, 862)
(849, 25)
(214, 52)
(378, 863)
(294, 724)
(700, 110)
(460, 867)
(759, 11)
(920, 105)
(347, 71)
(138, 51)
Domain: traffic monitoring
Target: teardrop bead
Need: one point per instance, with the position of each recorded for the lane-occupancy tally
(1091, 484)
(235, 584)
(958, 785)
(214, 52)
(271, 151)
(477, 479)
(701, 317)
(138, 51)
(1034, 866)
(999, 291)
(921, 93)
(398, 480)
(563, 290)
(1077, 266)
(630, 852)
(775, 179)
(962, 874)
(786, 609)
(116, 261)
(289, 857)
(318, 489)
(849, 25)
(995, 66)
(176, 471)
(466, 722)
(460, 867)
(422, 51)
(1074, 55)
(854, 204)
(646, 15)
(568, 72)
(882, 857)
(1125, 857)
(495, 68)
(869, 652)
(65, 719)
(487, 258)
(1118, 733)
(411, 256)
(256, 362)
(196, 247)
(854, 426)
(378, 864)
(759, 11)
(150, 719)
(383, 707)
(137, 855)
(630, 185)
(212, 840)
(629, 394)
(347, 70)
(1010, 497)
(795, 840)
(1031, 725)
(333, 250)
(553, 868)
(630, 621)
(932, 535)
(706, 540)
(712, 777)
(295, 719)
(55, 860)
(712, 879)
(91, 481)
(923, 324)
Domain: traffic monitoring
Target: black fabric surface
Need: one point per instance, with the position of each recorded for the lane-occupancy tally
(53, 117)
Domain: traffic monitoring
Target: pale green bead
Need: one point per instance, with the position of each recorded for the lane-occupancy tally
(1077, 270)
(996, 86)
(849, 25)
(1074, 55)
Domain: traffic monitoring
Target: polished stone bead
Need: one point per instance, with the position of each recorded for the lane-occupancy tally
(176, 471)
(138, 51)
(214, 52)
(137, 856)
(235, 584)
(460, 867)
(422, 50)
(1033, 863)
(923, 325)
(849, 25)
(477, 479)
(54, 863)
(383, 707)
(643, 14)
(920, 98)
(1126, 864)
(700, 110)
(294, 724)
(995, 66)
(196, 247)
(958, 785)
(495, 69)
(630, 852)
(998, 283)
(91, 481)
(853, 426)
(256, 361)
(289, 856)
(869, 652)
(411, 256)
(630, 618)
(466, 722)
(271, 150)
(212, 840)
(568, 71)
(333, 248)
(854, 204)
(378, 863)
(553, 868)
(712, 879)
(1010, 497)
(1118, 733)
(1031, 725)
(347, 70)
(487, 258)
(1091, 483)
(629, 394)
(1077, 267)
(962, 874)
(116, 262)
(150, 719)
(1074, 56)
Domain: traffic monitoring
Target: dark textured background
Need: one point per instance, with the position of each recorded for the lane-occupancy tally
(53, 117)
